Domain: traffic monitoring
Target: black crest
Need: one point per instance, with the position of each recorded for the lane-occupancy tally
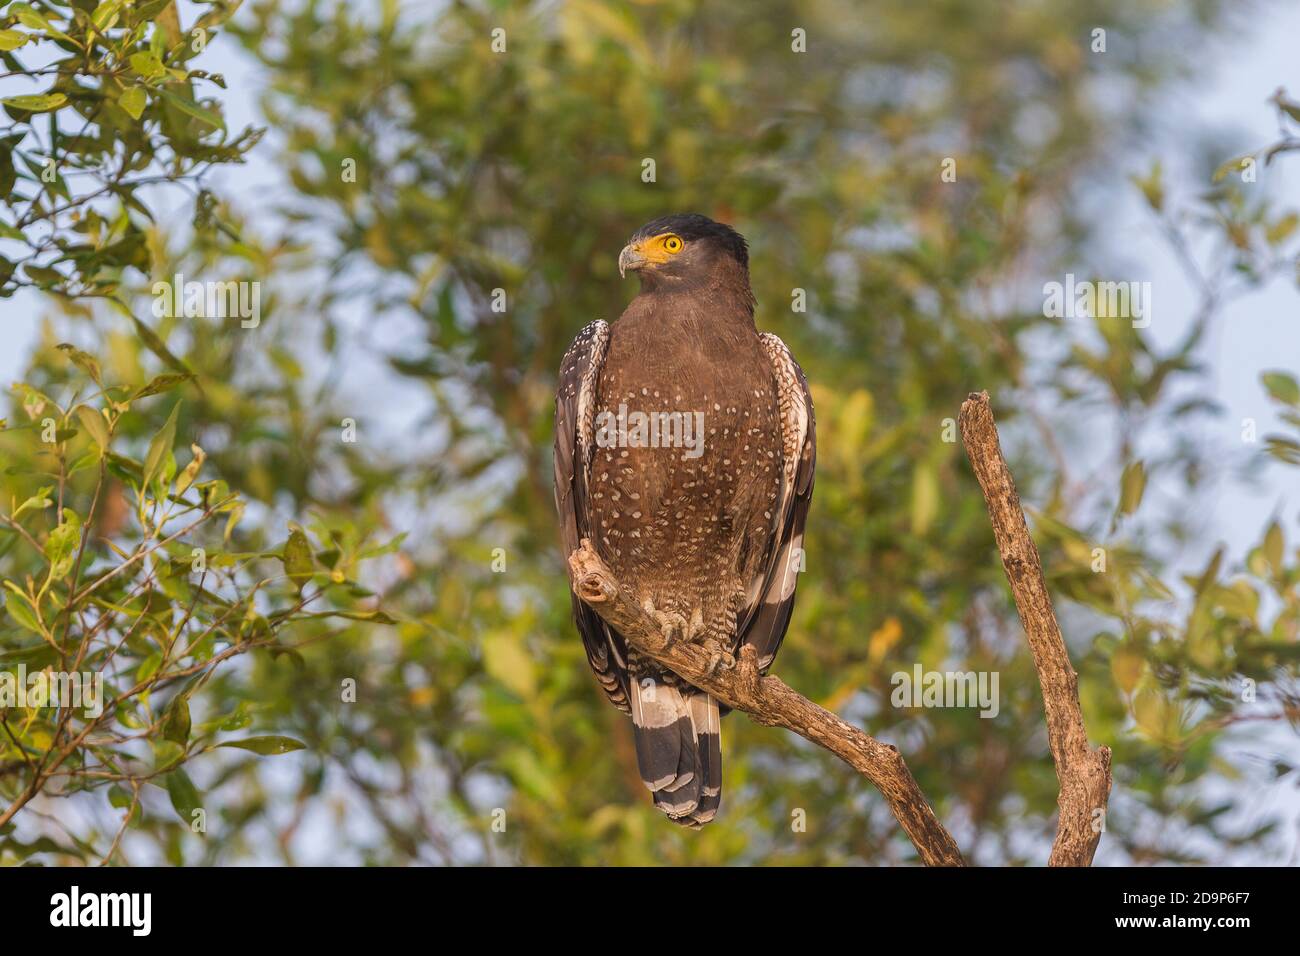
(692, 226)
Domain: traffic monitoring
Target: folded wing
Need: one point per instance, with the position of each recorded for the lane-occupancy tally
(770, 595)
(575, 413)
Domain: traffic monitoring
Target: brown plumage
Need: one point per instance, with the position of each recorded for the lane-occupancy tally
(685, 450)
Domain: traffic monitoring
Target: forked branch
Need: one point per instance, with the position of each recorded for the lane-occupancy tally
(1082, 771)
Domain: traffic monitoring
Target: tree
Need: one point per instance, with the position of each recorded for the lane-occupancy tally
(127, 588)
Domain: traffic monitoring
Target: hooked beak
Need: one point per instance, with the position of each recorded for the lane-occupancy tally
(630, 258)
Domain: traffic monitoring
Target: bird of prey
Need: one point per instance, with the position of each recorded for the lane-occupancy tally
(684, 450)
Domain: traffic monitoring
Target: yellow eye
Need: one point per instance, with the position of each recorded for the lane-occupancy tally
(673, 244)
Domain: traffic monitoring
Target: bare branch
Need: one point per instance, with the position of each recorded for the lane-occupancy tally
(768, 701)
(1083, 772)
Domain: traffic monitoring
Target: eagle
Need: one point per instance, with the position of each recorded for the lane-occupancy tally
(684, 451)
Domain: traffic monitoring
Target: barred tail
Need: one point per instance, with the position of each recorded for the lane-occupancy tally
(678, 749)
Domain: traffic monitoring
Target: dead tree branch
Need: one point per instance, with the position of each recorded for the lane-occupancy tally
(769, 701)
(1082, 771)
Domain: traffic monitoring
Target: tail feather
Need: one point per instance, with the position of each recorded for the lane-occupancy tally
(678, 749)
(664, 737)
(706, 719)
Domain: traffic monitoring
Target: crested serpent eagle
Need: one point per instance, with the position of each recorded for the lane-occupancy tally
(684, 450)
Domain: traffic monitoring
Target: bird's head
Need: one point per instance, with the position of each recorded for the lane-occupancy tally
(681, 248)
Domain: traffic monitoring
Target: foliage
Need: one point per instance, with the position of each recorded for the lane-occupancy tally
(116, 109)
(142, 600)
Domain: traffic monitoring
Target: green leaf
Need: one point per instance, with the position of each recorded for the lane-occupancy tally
(191, 108)
(8, 176)
(236, 512)
(12, 40)
(1127, 666)
(1283, 449)
(1238, 599)
(160, 446)
(150, 338)
(1274, 546)
(149, 10)
(161, 383)
(148, 667)
(1132, 484)
(36, 102)
(134, 100)
(38, 501)
(36, 656)
(1152, 713)
(185, 796)
(94, 424)
(176, 720)
(33, 20)
(44, 844)
(389, 548)
(299, 562)
(61, 545)
(1152, 187)
(237, 720)
(106, 14)
(147, 65)
(83, 360)
(22, 613)
(376, 616)
(1280, 230)
(191, 470)
(1282, 386)
(267, 746)
(1229, 166)
(43, 275)
(1288, 107)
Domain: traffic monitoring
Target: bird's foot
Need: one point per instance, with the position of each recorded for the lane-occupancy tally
(695, 629)
(672, 625)
(719, 656)
(719, 660)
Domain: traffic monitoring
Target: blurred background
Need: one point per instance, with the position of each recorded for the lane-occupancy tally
(919, 169)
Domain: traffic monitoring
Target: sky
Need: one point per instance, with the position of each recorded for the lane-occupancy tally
(1261, 330)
